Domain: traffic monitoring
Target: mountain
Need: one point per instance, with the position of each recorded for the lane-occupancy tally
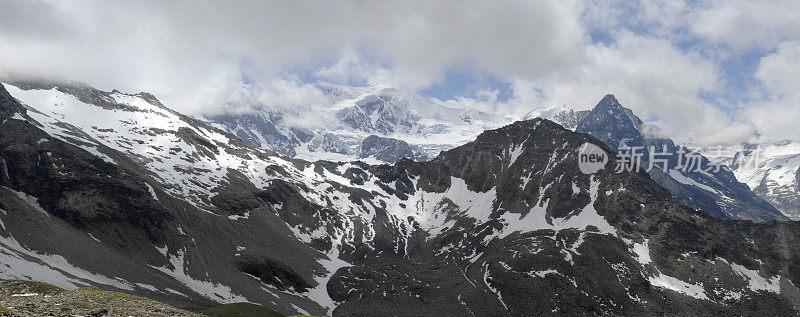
(717, 192)
(772, 171)
(378, 125)
(117, 191)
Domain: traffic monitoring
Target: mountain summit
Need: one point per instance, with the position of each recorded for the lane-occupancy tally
(613, 124)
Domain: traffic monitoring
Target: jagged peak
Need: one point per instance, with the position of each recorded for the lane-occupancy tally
(610, 98)
(609, 102)
(610, 105)
(610, 122)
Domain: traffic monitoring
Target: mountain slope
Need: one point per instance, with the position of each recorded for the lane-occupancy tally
(717, 192)
(502, 225)
(71, 165)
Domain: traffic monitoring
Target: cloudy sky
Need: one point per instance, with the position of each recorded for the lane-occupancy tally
(713, 72)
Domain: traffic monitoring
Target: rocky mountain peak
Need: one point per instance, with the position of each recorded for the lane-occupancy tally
(609, 101)
(612, 123)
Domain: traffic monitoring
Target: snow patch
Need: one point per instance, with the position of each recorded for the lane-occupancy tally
(152, 191)
(96, 152)
(642, 252)
(237, 217)
(30, 200)
(671, 283)
(755, 281)
(214, 291)
(536, 218)
(678, 176)
(93, 238)
(514, 151)
(319, 294)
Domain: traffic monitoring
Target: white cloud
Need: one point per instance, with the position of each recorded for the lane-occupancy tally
(778, 114)
(179, 50)
(780, 71)
(276, 93)
(653, 78)
(649, 75)
(524, 97)
(746, 23)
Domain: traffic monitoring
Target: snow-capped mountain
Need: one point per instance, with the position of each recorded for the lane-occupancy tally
(772, 170)
(119, 192)
(717, 192)
(397, 121)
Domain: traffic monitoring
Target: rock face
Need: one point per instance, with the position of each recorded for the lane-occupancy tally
(339, 129)
(503, 225)
(716, 191)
